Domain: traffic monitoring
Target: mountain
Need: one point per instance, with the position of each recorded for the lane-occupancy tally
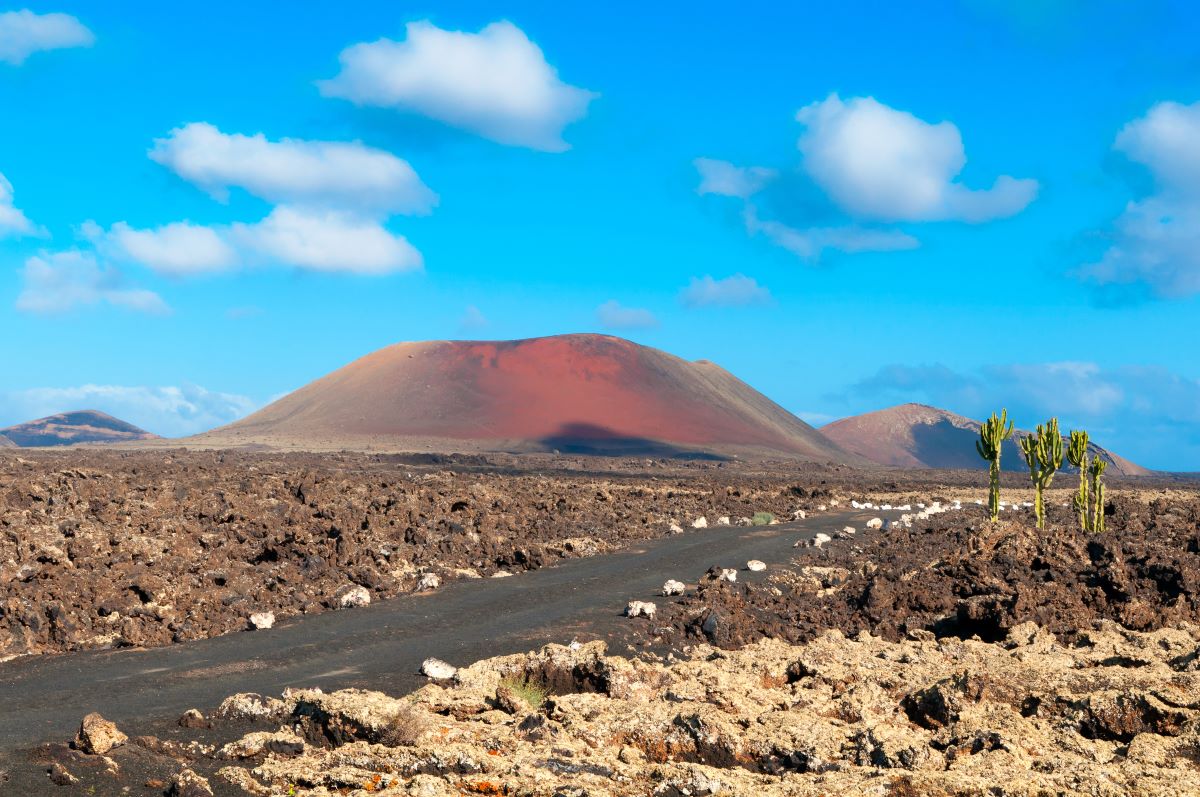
(919, 436)
(68, 428)
(6, 443)
(571, 393)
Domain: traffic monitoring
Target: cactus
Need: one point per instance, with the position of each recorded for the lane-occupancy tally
(1044, 455)
(1098, 466)
(992, 435)
(1077, 454)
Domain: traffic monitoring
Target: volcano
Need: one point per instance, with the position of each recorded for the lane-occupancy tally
(920, 436)
(69, 428)
(589, 394)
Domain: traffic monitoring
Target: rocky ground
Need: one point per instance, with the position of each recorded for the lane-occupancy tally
(110, 549)
(1113, 712)
(949, 657)
(957, 574)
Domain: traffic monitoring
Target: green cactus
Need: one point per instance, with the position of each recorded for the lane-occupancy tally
(1044, 455)
(1077, 454)
(992, 435)
(1097, 470)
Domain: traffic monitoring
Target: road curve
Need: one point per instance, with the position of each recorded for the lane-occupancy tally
(381, 646)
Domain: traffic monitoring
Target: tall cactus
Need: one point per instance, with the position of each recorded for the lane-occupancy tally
(1044, 455)
(1077, 453)
(992, 435)
(1098, 466)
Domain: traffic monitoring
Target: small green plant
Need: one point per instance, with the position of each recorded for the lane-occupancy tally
(1077, 455)
(1044, 455)
(533, 694)
(1097, 470)
(763, 519)
(992, 434)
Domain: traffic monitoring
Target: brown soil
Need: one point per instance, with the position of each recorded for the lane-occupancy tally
(957, 574)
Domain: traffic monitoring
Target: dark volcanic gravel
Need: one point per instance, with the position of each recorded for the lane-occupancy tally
(110, 549)
(958, 574)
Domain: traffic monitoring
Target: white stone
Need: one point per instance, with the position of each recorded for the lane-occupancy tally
(723, 520)
(640, 609)
(848, 530)
(821, 508)
(355, 597)
(428, 582)
(727, 574)
(261, 621)
(700, 523)
(673, 587)
(799, 514)
(875, 523)
(437, 669)
(676, 528)
(755, 566)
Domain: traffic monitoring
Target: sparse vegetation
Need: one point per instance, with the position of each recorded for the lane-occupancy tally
(992, 435)
(1097, 470)
(1044, 455)
(533, 694)
(403, 728)
(1077, 455)
(763, 519)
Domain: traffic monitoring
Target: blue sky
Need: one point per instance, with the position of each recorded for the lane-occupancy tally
(847, 205)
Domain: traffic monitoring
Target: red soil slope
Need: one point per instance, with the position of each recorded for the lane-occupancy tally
(582, 393)
(919, 436)
(68, 428)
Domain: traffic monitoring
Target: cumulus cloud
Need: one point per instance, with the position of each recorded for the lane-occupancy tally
(328, 241)
(495, 83)
(734, 291)
(725, 179)
(1155, 242)
(882, 163)
(314, 173)
(171, 411)
(613, 315)
(1145, 413)
(178, 249)
(12, 220)
(23, 33)
(865, 168)
(55, 282)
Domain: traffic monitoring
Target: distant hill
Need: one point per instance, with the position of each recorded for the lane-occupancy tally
(920, 436)
(593, 394)
(69, 428)
(6, 443)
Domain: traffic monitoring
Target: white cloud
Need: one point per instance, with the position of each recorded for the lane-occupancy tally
(724, 179)
(810, 242)
(613, 315)
(23, 33)
(169, 411)
(734, 291)
(315, 173)
(328, 241)
(472, 318)
(1156, 240)
(495, 83)
(881, 163)
(12, 220)
(178, 249)
(61, 281)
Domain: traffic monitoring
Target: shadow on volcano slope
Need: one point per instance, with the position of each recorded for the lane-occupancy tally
(587, 438)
